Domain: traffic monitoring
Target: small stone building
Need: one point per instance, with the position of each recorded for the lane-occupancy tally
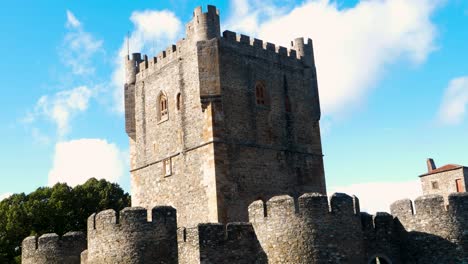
(444, 180)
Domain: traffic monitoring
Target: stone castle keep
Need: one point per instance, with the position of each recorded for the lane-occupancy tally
(227, 167)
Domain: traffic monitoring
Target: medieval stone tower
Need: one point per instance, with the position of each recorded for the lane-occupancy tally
(225, 129)
(218, 122)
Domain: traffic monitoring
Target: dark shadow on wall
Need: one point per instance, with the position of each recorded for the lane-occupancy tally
(234, 243)
(422, 248)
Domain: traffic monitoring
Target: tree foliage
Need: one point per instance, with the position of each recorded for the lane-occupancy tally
(58, 209)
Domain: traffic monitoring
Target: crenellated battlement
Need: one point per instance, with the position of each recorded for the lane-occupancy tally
(143, 65)
(333, 226)
(381, 236)
(262, 48)
(308, 205)
(51, 248)
(147, 66)
(430, 205)
(53, 241)
(438, 229)
(215, 232)
(376, 223)
(140, 66)
(218, 243)
(131, 217)
(124, 237)
(203, 26)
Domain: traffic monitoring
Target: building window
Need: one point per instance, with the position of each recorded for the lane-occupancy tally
(260, 93)
(459, 185)
(179, 101)
(435, 185)
(167, 167)
(163, 107)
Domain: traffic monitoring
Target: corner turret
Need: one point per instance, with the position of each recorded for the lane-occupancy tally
(305, 51)
(132, 67)
(204, 26)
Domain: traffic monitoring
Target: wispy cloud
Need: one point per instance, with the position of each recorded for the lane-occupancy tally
(378, 196)
(79, 47)
(72, 21)
(352, 46)
(77, 53)
(453, 107)
(153, 31)
(76, 161)
(60, 108)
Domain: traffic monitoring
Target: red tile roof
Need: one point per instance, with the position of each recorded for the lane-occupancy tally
(448, 167)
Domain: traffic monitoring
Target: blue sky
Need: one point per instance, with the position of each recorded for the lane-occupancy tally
(393, 78)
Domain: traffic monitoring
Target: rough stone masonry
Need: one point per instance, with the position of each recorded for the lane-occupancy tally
(224, 129)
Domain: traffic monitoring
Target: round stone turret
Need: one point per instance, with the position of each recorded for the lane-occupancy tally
(129, 237)
(204, 26)
(305, 51)
(132, 67)
(309, 229)
(52, 249)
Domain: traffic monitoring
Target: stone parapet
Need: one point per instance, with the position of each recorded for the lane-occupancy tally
(130, 237)
(53, 249)
(309, 229)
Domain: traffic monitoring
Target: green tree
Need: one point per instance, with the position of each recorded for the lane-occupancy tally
(58, 209)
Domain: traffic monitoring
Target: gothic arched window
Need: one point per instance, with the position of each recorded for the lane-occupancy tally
(260, 93)
(163, 107)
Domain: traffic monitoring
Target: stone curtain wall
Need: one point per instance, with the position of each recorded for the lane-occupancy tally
(307, 231)
(432, 233)
(128, 237)
(218, 243)
(381, 237)
(52, 249)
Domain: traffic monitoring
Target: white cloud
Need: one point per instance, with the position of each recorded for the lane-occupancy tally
(4, 196)
(378, 196)
(76, 161)
(60, 108)
(246, 15)
(153, 31)
(455, 102)
(353, 45)
(79, 47)
(72, 21)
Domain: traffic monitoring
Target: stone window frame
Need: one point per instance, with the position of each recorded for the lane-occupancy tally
(167, 167)
(261, 94)
(163, 107)
(435, 185)
(178, 101)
